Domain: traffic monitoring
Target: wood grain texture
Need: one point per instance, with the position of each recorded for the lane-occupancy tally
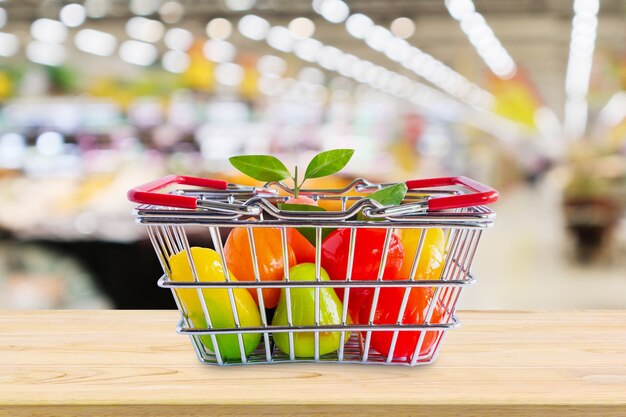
(132, 363)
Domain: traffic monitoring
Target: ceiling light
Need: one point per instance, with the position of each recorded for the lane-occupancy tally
(402, 27)
(219, 51)
(270, 64)
(229, 74)
(138, 53)
(460, 9)
(378, 38)
(48, 30)
(576, 115)
(302, 27)
(95, 42)
(9, 44)
(340, 83)
(270, 85)
(335, 11)
(240, 5)
(359, 25)
(613, 113)
(171, 12)
(13, 149)
(178, 39)
(73, 15)
(45, 53)
(360, 70)
(328, 56)
(219, 28)
(346, 64)
(144, 29)
(590, 7)
(373, 73)
(482, 38)
(580, 61)
(311, 75)
(547, 123)
(280, 38)
(144, 7)
(316, 5)
(397, 49)
(175, 61)
(400, 85)
(97, 9)
(381, 80)
(253, 27)
(50, 143)
(307, 49)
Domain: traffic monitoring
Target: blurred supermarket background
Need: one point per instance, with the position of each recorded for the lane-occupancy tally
(101, 95)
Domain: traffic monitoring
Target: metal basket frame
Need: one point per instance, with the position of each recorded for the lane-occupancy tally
(236, 206)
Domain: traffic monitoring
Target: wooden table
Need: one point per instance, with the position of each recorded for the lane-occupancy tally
(132, 363)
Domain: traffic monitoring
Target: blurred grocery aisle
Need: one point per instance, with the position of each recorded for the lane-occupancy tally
(528, 260)
(97, 96)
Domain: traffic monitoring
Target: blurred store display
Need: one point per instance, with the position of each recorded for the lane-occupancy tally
(36, 277)
(594, 200)
(97, 96)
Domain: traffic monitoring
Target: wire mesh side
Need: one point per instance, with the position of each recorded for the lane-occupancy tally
(458, 253)
(352, 353)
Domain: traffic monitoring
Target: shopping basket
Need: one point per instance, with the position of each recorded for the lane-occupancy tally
(206, 210)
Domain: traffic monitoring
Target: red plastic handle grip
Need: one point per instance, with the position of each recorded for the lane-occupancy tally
(482, 194)
(147, 193)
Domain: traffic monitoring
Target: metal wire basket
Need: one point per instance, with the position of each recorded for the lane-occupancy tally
(455, 205)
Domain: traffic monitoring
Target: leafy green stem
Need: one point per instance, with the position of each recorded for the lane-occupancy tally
(270, 168)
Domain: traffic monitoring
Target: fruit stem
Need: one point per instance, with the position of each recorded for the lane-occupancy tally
(295, 183)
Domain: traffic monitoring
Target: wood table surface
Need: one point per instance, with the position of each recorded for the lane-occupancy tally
(132, 363)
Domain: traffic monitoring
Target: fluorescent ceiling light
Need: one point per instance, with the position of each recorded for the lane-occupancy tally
(582, 45)
(482, 38)
(138, 53)
(397, 49)
(95, 42)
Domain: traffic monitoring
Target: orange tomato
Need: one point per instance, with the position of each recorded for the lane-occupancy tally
(269, 250)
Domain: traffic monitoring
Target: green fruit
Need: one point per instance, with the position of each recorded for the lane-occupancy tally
(303, 314)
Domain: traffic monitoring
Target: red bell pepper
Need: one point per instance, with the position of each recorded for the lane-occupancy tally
(387, 309)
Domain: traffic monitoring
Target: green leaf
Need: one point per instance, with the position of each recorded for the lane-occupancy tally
(388, 196)
(299, 207)
(327, 163)
(307, 232)
(261, 167)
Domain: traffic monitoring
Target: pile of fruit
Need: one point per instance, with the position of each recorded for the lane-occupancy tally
(301, 257)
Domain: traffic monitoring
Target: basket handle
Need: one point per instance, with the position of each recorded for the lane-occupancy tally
(481, 195)
(147, 193)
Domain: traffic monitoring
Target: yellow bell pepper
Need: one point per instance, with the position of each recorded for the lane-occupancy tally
(432, 257)
(209, 269)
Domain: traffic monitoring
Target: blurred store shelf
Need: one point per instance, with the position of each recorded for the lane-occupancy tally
(528, 96)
